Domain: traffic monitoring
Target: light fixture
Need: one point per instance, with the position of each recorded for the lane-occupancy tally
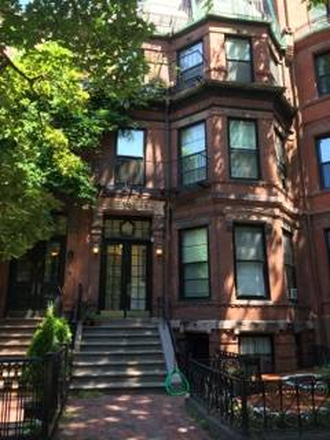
(159, 252)
(96, 249)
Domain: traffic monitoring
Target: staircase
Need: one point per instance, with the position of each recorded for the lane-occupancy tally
(15, 335)
(122, 354)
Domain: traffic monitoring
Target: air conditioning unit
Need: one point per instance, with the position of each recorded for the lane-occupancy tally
(293, 294)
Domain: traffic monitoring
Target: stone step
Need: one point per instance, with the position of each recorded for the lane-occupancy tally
(8, 352)
(127, 385)
(121, 325)
(17, 322)
(17, 336)
(120, 340)
(14, 343)
(140, 362)
(119, 370)
(118, 333)
(84, 376)
(123, 356)
(113, 347)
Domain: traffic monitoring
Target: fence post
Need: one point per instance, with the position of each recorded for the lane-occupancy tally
(245, 413)
(48, 391)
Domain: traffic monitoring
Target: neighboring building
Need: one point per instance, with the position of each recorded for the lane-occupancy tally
(214, 211)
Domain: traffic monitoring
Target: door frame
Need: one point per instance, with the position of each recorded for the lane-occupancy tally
(36, 300)
(103, 268)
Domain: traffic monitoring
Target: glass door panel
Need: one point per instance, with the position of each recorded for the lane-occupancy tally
(113, 281)
(138, 279)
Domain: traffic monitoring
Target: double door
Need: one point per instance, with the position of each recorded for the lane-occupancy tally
(36, 276)
(125, 276)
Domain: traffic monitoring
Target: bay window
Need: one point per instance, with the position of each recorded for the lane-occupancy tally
(239, 59)
(193, 154)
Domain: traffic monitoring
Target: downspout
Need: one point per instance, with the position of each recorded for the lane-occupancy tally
(311, 246)
(167, 208)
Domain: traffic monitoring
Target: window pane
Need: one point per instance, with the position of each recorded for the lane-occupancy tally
(195, 271)
(239, 71)
(324, 148)
(255, 345)
(288, 249)
(193, 139)
(195, 246)
(324, 84)
(129, 171)
(130, 143)
(250, 279)
(274, 70)
(197, 288)
(249, 243)
(238, 49)
(326, 175)
(243, 134)
(244, 165)
(290, 277)
(191, 57)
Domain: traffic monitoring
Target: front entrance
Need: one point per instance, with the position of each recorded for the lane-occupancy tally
(126, 261)
(36, 276)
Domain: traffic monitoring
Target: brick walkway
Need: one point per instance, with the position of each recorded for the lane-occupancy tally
(128, 417)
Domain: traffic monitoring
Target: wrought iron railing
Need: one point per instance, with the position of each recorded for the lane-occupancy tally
(258, 408)
(32, 395)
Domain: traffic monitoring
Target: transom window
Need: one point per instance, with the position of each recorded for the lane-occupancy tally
(244, 161)
(323, 145)
(191, 65)
(250, 264)
(261, 346)
(290, 270)
(323, 73)
(280, 157)
(194, 263)
(127, 228)
(130, 157)
(193, 154)
(239, 62)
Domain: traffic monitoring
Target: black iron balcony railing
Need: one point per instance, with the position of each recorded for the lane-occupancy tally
(194, 168)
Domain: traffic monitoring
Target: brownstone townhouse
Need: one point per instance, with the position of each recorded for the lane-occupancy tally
(214, 210)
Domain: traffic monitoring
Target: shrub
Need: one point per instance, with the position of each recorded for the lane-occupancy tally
(51, 334)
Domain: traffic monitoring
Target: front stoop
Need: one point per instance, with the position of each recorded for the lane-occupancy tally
(119, 354)
(16, 335)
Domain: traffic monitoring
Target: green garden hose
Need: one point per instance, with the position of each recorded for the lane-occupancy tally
(181, 388)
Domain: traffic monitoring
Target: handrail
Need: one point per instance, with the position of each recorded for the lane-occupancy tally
(76, 313)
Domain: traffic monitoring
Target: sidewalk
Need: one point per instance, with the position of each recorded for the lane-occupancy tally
(128, 417)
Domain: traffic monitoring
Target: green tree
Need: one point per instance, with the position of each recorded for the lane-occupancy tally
(73, 69)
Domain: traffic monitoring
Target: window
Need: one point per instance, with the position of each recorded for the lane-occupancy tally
(194, 263)
(238, 54)
(191, 65)
(323, 145)
(274, 71)
(244, 161)
(289, 267)
(323, 73)
(130, 157)
(193, 154)
(250, 262)
(260, 346)
(327, 240)
(280, 157)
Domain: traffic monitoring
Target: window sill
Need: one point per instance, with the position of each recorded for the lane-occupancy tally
(253, 302)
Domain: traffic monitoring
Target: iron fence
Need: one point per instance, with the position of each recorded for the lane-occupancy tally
(253, 408)
(32, 395)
